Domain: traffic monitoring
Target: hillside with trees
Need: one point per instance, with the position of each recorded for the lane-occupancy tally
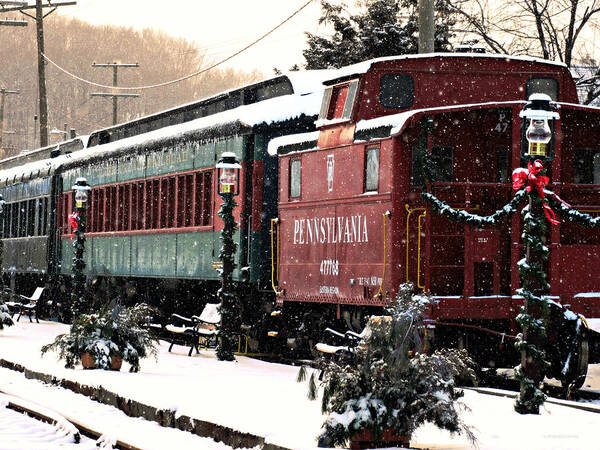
(75, 45)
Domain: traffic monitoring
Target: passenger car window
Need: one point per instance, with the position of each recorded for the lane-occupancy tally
(396, 90)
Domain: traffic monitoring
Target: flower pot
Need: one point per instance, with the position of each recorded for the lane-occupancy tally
(366, 439)
(115, 362)
(88, 361)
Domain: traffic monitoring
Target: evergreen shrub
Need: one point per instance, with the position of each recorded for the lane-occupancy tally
(111, 332)
(391, 383)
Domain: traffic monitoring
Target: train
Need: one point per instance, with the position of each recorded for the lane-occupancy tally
(330, 215)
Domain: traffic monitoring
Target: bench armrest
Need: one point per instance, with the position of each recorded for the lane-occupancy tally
(334, 333)
(353, 336)
(187, 320)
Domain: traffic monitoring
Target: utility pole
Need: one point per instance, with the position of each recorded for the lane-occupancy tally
(39, 25)
(426, 26)
(39, 17)
(3, 94)
(115, 66)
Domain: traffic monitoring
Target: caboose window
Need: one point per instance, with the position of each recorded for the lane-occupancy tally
(442, 166)
(396, 90)
(548, 86)
(372, 168)
(295, 181)
(338, 101)
(587, 166)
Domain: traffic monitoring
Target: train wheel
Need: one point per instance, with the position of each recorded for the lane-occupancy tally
(577, 365)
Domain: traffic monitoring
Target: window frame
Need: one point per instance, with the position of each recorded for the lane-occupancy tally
(329, 101)
(369, 149)
(588, 162)
(291, 190)
(407, 78)
(528, 91)
(158, 204)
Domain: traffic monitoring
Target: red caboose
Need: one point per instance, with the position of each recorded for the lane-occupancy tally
(352, 226)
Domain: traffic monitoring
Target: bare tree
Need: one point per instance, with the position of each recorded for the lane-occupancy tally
(551, 29)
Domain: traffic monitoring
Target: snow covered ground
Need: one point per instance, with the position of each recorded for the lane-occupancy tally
(261, 398)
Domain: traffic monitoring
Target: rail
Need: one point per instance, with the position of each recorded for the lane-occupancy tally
(275, 255)
(410, 211)
(47, 415)
(380, 291)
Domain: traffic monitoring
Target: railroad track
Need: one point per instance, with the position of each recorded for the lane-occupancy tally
(509, 387)
(67, 424)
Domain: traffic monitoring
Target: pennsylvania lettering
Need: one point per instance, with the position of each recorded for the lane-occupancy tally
(331, 230)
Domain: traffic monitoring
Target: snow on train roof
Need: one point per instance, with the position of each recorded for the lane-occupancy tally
(365, 66)
(395, 122)
(303, 82)
(274, 110)
(307, 81)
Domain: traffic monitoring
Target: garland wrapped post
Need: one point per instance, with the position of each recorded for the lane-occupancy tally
(5, 316)
(77, 220)
(2, 205)
(229, 308)
(533, 316)
(228, 169)
(78, 300)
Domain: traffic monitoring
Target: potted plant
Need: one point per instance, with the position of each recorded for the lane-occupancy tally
(390, 386)
(102, 340)
(5, 317)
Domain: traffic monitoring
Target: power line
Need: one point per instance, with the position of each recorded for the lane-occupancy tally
(199, 72)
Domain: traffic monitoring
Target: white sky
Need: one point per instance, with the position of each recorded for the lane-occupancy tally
(220, 27)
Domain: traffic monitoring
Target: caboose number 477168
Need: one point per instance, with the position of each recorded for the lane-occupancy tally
(332, 222)
(352, 226)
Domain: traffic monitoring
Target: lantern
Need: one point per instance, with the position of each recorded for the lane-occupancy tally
(81, 188)
(538, 128)
(228, 169)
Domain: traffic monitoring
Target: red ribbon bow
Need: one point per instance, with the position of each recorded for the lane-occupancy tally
(530, 176)
(74, 220)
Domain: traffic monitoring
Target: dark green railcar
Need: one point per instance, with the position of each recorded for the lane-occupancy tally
(152, 230)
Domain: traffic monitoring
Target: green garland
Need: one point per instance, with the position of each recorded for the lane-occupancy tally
(572, 215)
(229, 308)
(79, 303)
(475, 220)
(533, 279)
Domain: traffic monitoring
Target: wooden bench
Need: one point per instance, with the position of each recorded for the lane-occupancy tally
(192, 330)
(27, 305)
